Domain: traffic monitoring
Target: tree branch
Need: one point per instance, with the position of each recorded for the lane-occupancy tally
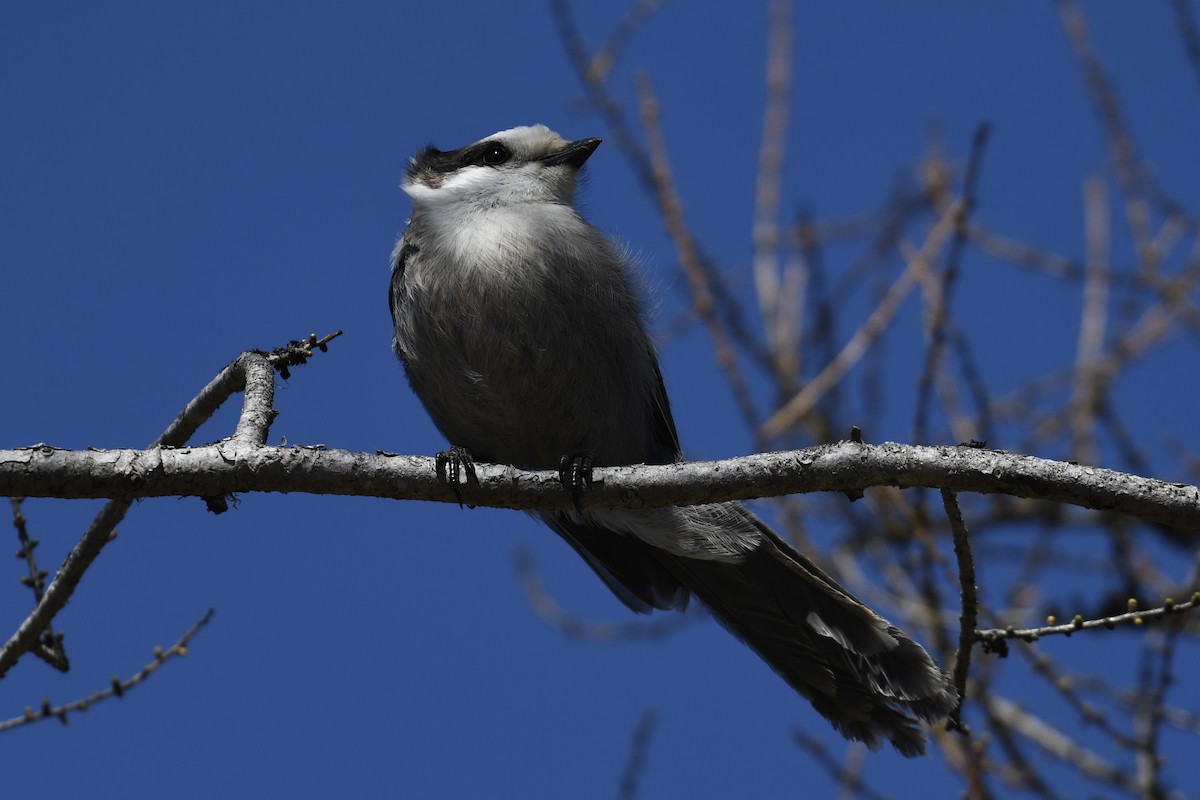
(253, 374)
(232, 466)
(116, 688)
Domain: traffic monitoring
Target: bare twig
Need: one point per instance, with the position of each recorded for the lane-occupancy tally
(1136, 182)
(601, 63)
(50, 644)
(252, 373)
(1088, 386)
(575, 627)
(1189, 34)
(689, 255)
(624, 136)
(848, 780)
(970, 603)
(1067, 687)
(918, 263)
(639, 746)
(1157, 675)
(765, 235)
(63, 586)
(117, 688)
(1058, 744)
(939, 314)
(1136, 617)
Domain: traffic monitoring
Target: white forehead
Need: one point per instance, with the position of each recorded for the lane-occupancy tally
(530, 141)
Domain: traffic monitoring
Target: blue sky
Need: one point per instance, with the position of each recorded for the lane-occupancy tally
(181, 182)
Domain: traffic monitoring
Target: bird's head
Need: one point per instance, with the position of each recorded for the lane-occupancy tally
(522, 165)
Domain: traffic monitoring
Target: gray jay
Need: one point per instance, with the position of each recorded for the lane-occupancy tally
(522, 331)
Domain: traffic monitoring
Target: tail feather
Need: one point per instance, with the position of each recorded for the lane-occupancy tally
(626, 564)
(858, 670)
(810, 638)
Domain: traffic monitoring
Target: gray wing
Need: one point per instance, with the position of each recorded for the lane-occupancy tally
(404, 251)
(663, 438)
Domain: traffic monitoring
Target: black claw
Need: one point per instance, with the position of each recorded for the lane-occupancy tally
(450, 466)
(575, 474)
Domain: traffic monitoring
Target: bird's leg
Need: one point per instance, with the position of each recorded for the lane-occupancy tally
(454, 461)
(575, 473)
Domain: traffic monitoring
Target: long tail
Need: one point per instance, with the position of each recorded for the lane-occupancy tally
(858, 670)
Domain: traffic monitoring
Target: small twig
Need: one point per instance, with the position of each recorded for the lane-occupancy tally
(1065, 686)
(1123, 440)
(848, 780)
(689, 255)
(940, 313)
(298, 352)
(970, 605)
(50, 644)
(600, 99)
(1188, 33)
(251, 373)
(99, 533)
(1020, 770)
(807, 398)
(1056, 743)
(36, 578)
(765, 234)
(639, 746)
(601, 63)
(1136, 181)
(1026, 256)
(1155, 679)
(1135, 616)
(1088, 383)
(575, 627)
(117, 688)
(983, 423)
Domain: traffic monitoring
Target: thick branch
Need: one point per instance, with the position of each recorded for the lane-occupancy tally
(232, 466)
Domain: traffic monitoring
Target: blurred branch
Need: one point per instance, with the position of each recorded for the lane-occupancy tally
(689, 256)
(939, 313)
(575, 627)
(601, 63)
(831, 300)
(970, 602)
(765, 235)
(1067, 686)
(1088, 385)
(1130, 170)
(1185, 22)
(1055, 742)
(639, 746)
(918, 265)
(850, 782)
(592, 73)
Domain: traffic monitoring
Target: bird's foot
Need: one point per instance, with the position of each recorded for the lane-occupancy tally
(450, 466)
(575, 473)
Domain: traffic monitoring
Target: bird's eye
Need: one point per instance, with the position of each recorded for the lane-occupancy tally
(496, 154)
